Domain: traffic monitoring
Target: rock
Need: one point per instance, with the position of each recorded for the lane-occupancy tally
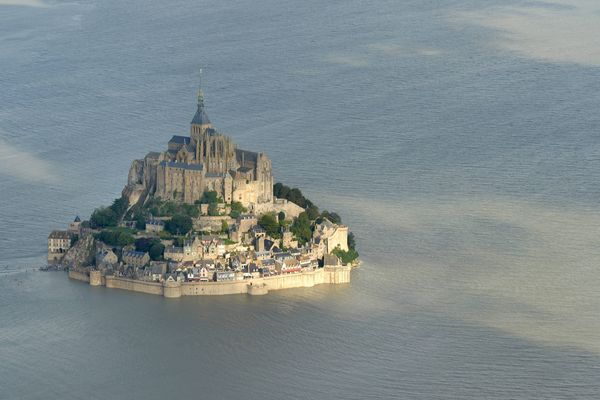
(81, 254)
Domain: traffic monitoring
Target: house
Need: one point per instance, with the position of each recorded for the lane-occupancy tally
(59, 243)
(245, 222)
(225, 276)
(106, 257)
(212, 247)
(282, 256)
(174, 253)
(267, 267)
(155, 226)
(135, 258)
(288, 266)
(158, 269)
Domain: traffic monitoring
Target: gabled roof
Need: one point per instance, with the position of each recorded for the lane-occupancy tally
(179, 139)
(59, 235)
(248, 157)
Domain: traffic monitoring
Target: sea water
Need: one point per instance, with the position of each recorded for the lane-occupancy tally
(457, 139)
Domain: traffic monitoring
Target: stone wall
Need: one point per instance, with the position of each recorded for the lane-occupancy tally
(291, 210)
(213, 288)
(214, 224)
(79, 276)
(134, 285)
(258, 286)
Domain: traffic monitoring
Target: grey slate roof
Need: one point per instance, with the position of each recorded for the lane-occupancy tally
(134, 254)
(180, 139)
(173, 164)
(59, 235)
(249, 157)
(200, 118)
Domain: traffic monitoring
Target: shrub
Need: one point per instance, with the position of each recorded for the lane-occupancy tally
(346, 256)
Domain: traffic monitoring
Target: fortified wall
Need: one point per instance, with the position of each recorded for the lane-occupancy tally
(256, 286)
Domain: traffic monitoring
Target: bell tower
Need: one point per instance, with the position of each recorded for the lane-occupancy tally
(200, 122)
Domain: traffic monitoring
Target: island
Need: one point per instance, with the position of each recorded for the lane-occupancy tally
(205, 217)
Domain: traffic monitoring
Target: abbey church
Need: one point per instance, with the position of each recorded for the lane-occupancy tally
(206, 160)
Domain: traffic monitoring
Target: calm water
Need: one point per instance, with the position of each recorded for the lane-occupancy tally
(464, 155)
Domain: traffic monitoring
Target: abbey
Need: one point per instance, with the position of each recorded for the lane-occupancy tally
(206, 160)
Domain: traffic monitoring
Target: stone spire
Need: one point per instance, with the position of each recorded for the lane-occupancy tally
(201, 119)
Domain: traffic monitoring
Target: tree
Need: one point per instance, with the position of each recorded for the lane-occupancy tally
(312, 212)
(208, 197)
(213, 210)
(301, 228)
(116, 237)
(156, 251)
(346, 256)
(179, 224)
(351, 241)
(331, 216)
(236, 209)
(140, 221)
(152, 246)
(270, 224)
(119, 206)
(103, 217)
(224, 226)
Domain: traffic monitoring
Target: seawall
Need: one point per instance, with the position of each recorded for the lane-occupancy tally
(134, 285)
(79, 276)
(256, 286)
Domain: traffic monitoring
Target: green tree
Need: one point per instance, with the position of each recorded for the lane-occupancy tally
(270, 224)
(346, 256)
(119, 206)
(301, 228)
(103, 217)
(179, 224)
(312, 212)
(156, 251)
(331, 216)
(213, 210)
(236, 209)
(208, 197)
(351, 241)
(224, 226)
(115, 237)
(140, 221)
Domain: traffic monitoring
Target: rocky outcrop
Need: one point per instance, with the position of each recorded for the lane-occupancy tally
(141, 180)
(81, 254)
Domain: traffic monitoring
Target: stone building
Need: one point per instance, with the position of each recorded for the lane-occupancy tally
(75, 226)
(59, 243)
(206, 160)
(155, 226)
(327, 236)
(135, 258)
